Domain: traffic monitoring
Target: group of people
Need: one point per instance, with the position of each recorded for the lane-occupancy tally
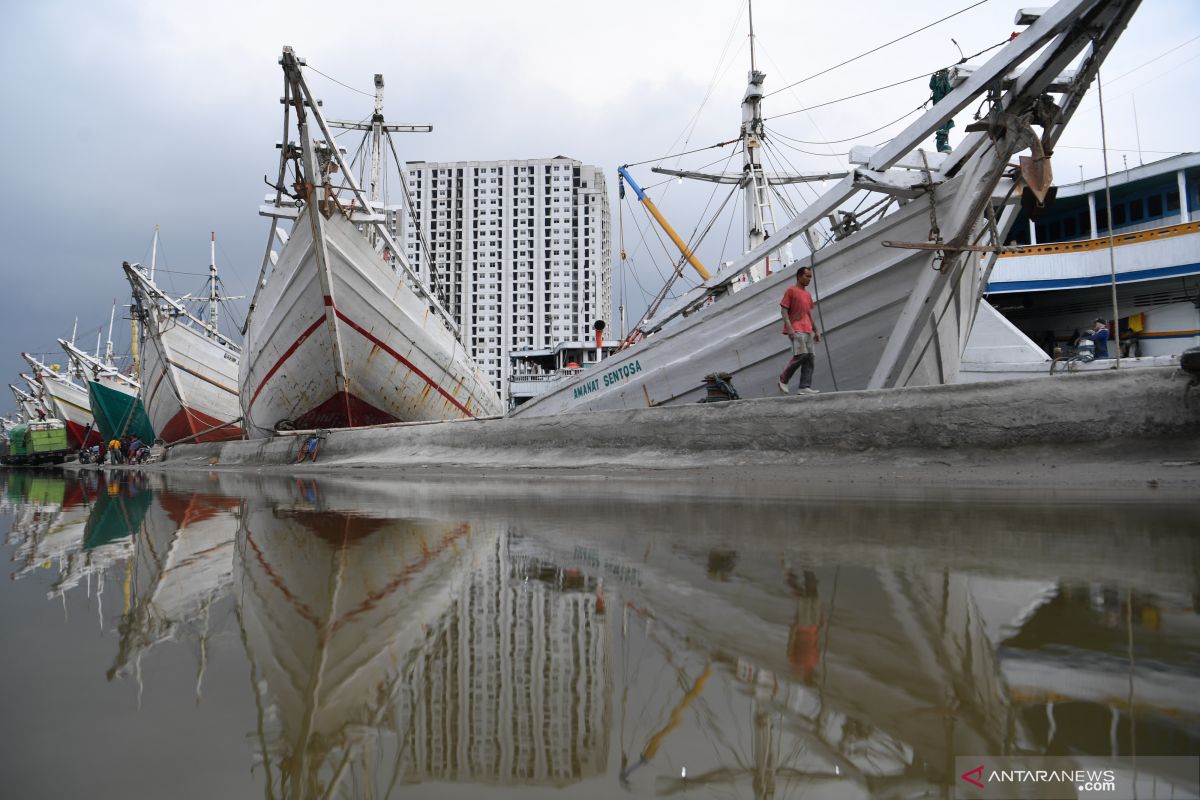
(125, 450)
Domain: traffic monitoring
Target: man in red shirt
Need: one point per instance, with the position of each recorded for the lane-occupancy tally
(796, 310)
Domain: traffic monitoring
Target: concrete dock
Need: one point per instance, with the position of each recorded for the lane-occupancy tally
(946, 434)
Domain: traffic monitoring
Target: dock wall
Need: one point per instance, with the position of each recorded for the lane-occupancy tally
(1134, 407)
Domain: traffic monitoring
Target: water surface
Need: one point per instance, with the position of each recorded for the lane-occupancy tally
(230, 635)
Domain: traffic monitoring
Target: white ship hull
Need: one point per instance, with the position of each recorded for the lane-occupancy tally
(189, 381)
(334, 609)
(896, 297)
(338, 339)
(182, 565)
(69, 402)
(861, 290)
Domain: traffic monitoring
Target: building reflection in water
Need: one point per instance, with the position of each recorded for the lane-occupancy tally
(424, 646)
(401, 635)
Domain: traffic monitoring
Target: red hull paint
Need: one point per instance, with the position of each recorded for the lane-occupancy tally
(368, 411)
(75, 433)
(189, 509)
(189, 421)
(343, 410)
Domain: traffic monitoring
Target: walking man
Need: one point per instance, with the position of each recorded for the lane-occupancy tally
(796, 310)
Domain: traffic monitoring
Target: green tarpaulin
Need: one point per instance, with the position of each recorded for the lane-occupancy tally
(115, 516)
(118, 414)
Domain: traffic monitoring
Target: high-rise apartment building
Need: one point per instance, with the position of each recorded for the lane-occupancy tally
(523, 249)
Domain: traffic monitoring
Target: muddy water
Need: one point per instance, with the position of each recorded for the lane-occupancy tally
(231, 635)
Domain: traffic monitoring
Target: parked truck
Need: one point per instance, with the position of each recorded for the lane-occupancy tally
(41, 442)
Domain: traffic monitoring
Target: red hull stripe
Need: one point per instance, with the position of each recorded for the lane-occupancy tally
(157, 383)
(373, 339)
(288, 354)
(402, 360)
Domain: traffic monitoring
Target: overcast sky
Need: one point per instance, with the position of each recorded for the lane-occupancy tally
(124, 115)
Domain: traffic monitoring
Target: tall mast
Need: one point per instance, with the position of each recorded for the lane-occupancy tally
(750, 16)
(376, 139)
(212, 283)
(108, 353)
(153, 253)
(74, 330)
(757, 198)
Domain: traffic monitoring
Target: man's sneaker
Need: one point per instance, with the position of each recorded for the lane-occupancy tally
(808, 390)
(782, 387)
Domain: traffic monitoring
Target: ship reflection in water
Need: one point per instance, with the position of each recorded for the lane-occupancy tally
(374, 638)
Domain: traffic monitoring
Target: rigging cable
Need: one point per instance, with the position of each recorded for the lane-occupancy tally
(707, 205)
(697, 237)
(642, 244)
(670, 178)
(339, 83)
(685, 153)
(799, 101)
(851, 138)
(718, 74)
(347, 130)
(816, 196)
(624, 265)
(442, 293)
(812, 263)
(876, 49)
(923, 76)
(728, 230)
(1156, 58)
(679, 265)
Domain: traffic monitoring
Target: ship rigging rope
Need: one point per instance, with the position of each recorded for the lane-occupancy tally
(693, 241)
(769, 149)
(717, 75)
(876, 49)
(642, 245)
(685, 153)
(812, 263)
(728, 231)
(923, 76)
(1151, 61)
(311, 68)
(906, 114)
(440, 292)
(700, 168)
(362, 121)
(679, 266)
(770, 152)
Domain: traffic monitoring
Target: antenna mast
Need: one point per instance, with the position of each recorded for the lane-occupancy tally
(108, 353)
(757, 203)
(153, 252)
(376, 139)
(213, 298)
